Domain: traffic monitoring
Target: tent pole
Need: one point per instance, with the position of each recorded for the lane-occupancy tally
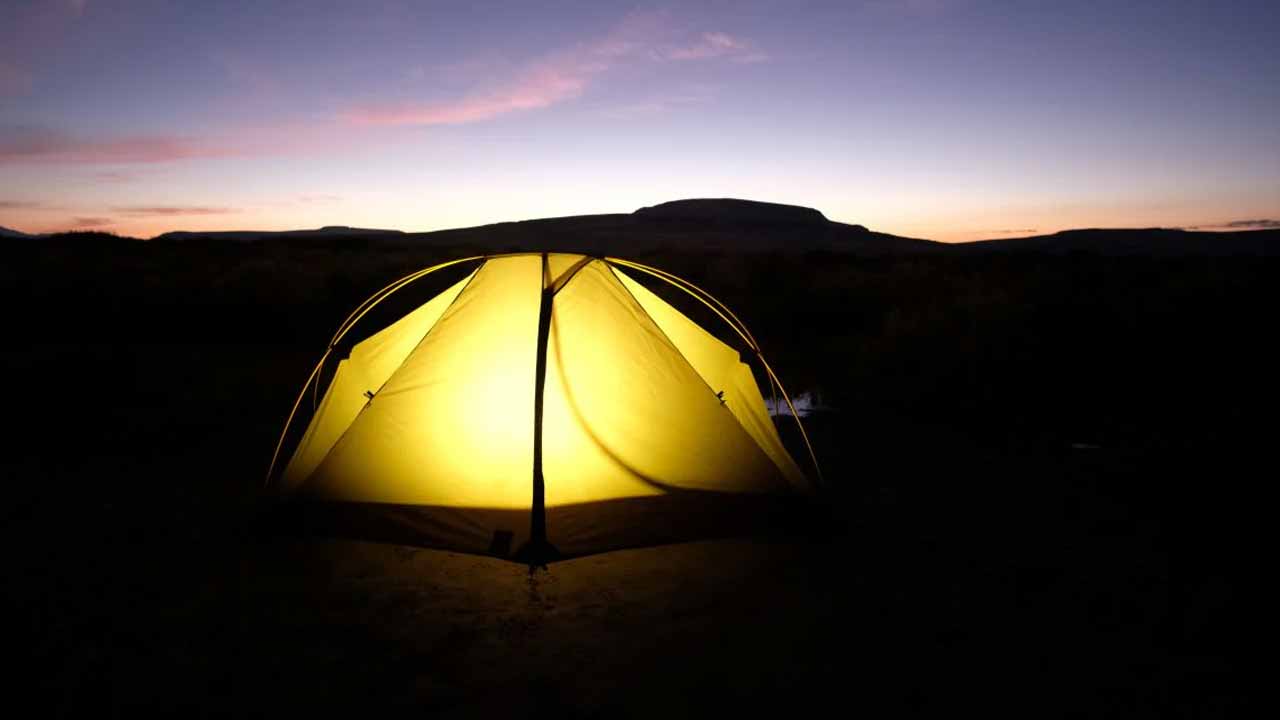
(275, 456)
(739, 327)
(538, 551)
(347, 324)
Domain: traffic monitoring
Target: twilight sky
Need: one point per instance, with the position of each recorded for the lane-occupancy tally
(946, 119)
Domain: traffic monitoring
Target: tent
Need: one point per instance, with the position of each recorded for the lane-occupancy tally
(545, 406)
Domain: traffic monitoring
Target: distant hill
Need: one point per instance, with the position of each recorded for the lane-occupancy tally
(14, 234)
(693, 225)
(1147, 242)
(733, 226)
(732, 212)
(328, 231)
(696, 225)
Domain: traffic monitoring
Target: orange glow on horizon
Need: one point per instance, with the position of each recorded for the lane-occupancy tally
(959, 225)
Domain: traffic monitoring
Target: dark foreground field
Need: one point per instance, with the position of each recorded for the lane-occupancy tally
(1044, 486)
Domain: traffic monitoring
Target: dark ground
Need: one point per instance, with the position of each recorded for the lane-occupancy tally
(1044, 487)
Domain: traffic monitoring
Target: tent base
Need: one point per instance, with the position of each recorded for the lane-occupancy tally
(573, 530)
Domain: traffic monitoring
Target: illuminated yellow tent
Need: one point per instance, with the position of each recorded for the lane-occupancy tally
(544, 406)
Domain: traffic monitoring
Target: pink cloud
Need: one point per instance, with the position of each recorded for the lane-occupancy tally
(38, 145)
(319, 199)
(538, 88)
(657, 104)
(305, 200)
(114, 176)
(171, 210)
(709, 45)
(558, 77)
(92, 222)
(35, 145)
(1260, 224)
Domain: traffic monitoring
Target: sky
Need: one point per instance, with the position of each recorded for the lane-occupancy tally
(946, 119)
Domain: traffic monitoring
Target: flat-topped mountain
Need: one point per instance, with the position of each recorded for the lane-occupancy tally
(732, 211)
(720, 224)
(725, 225)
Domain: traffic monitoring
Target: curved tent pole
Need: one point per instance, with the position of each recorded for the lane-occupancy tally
(708, 296)
(707, 299)
(343, 329)
(698, 294)
(382, 294)
(284, 432)
(378, 297)
(739, 327)
(804, 435)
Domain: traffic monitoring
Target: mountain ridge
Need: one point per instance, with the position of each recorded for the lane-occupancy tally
(16, 234)
(1121, 242)
(716, 224)
(735, 225)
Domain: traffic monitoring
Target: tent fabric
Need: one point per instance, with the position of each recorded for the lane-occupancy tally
(653, 430)
(626, 415)
(722, 368)
(453, 425)
(371, 363)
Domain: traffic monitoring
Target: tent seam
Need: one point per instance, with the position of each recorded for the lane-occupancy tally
(697, 293)
(356, 419)
(742, 331)
(737, 421)
(700, 295)
(557, 286)
(346, 325)
(665, 336)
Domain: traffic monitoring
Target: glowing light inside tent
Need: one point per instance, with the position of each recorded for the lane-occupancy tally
(437, 412)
